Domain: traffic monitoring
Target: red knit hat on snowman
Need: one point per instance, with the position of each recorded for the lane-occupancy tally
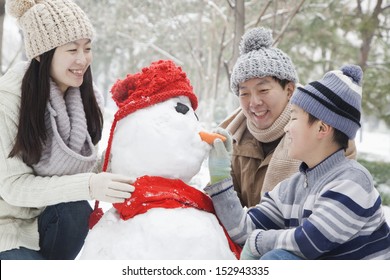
(159, 82)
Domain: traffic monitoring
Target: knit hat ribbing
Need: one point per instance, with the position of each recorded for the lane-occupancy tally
(259, 59)
(156, 83)
(47, 24)
(335, 99)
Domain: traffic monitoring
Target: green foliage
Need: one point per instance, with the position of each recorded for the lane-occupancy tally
(376, 89)
(380, 171)
(385, 198)
(327, 34)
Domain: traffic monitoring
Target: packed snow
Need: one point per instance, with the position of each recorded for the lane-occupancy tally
(159, 141)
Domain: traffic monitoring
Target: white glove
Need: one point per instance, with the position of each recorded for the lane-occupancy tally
(109, 187)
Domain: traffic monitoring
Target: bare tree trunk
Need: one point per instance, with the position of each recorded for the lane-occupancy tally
(239, 27)
(2, 15)
(368, 32)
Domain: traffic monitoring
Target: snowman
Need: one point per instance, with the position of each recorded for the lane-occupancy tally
(156, 139)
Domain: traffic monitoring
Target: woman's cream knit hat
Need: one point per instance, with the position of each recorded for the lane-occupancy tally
(47, 24)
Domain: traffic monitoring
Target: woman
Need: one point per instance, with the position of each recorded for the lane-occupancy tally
(51, 121)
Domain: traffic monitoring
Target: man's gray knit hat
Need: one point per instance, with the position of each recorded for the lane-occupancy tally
(259, 59)
(335, 99)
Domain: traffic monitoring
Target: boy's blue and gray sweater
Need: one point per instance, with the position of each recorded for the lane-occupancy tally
(331, 211)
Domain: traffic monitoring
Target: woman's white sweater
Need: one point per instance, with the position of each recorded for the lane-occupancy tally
(23, 193)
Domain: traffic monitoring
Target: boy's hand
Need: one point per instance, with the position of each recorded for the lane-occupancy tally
(247, 253)
(220, 157)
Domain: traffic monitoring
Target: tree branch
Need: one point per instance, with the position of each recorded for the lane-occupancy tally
(219, 11)
(359, 7)
(263, 12)
(219, 59)
(378, 9)
(153, 46)
(226, 64)
(231, 4)
(266, 17)
(288, 22)
(385, 7)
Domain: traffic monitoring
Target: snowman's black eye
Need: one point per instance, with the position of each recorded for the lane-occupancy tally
(182, 108)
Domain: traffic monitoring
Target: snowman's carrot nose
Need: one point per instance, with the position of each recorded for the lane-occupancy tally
(209, 137)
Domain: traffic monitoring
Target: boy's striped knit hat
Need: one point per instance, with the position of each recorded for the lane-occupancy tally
(47, 24)
(335, 99)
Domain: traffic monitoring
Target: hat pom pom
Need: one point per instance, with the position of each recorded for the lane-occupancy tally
(354, 72)
(122, 89)
(256, 39)
(17, 8)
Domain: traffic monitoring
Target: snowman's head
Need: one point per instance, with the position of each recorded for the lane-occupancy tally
(155, 131)
(160, 140)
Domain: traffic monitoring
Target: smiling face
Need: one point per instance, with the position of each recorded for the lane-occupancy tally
(70, 62)
(263, 100)
(302, 136)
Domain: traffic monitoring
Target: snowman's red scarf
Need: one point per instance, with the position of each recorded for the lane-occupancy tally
(157, 192)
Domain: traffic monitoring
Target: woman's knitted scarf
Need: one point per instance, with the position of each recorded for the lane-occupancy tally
(68, 148)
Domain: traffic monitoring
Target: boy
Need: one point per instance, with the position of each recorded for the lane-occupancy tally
(330, 209)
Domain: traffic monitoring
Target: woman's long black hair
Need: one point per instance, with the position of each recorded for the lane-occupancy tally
(32, 132)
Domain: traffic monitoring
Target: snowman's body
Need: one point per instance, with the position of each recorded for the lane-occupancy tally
(160, 140)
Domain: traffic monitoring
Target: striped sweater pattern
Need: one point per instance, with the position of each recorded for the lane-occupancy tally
(331, 211)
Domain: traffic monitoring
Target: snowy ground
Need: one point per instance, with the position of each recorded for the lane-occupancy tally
(374, 145)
